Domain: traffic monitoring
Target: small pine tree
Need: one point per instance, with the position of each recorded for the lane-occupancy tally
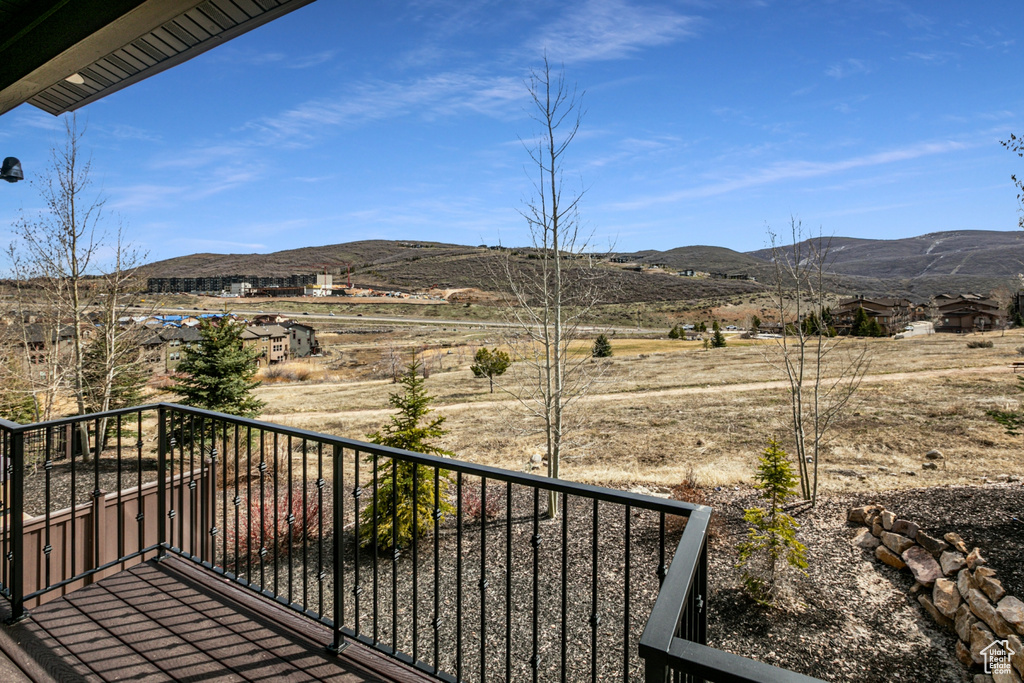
(218, 372)
(772, 548)
(875, 329)
(602, 347)
(755, 324)
(674, 332)
(703, 327)
(717, 339)
(861, 324)
(490, 364)
(395, 495)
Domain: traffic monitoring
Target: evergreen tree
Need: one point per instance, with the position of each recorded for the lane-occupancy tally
(875, 329)
(861, 324)
(490, 364)
(674, 332)
(755, 324)
(395, 492)
(717, 339)
(218, 372)
(602, 347)
(811, 325)
(772, 546)
(703, 327)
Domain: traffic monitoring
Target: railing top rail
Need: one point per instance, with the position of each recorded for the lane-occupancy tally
(654, 503)
(707, 663)
(7, 424)
(646, 502)
(661, 626)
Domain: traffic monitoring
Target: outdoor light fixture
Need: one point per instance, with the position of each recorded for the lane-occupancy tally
(11, 170)
(76, 79)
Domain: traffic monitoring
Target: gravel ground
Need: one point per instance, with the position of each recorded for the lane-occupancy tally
(853, 619)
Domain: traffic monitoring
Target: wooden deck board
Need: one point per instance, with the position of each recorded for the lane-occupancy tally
(171, 621)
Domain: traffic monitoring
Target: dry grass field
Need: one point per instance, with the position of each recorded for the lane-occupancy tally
(664, 409)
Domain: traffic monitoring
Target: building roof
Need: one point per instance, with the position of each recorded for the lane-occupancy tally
(110, 44)
(258, 331)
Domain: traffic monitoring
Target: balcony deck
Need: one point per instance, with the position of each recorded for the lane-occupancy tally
(168, 621)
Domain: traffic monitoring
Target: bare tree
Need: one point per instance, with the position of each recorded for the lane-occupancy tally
(80, 299)
(550, 294)
(1016, 145)
(824, 371)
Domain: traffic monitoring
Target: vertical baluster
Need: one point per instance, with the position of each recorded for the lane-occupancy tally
(376, 544)
(161, 482)
(436, 623)
(394, 554)
(595, 619)
(626, 597)
(263, 509)
(140, 515)
(702, 583)
(508, 581)
(248, 506)
(338, 511)
(535, 542)
(290, 520)
(661, 548)
(458, 576)
(15, 526)
(320, 483)
(224, 492)
(120, 504)
(415, 561)
(357, 491)
(277, 541)
(47, 466)
(305, 526)
(181, 480)
(207, 479)
(71, 430)
(96, 491)
(565, 586)
(483, 579)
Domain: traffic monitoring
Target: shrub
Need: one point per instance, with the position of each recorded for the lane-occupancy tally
(602, 347)
(473, 505)
(772, 548)
(278, 522)
(1020, 350)
(980, 344)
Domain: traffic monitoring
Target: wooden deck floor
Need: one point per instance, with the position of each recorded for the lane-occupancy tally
(169, 621)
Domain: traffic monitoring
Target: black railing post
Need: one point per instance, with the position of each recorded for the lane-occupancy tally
(339, 560)
(161, 483)
(16, 508)
(656, 670)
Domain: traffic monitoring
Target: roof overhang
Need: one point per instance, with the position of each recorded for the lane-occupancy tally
(110, 44)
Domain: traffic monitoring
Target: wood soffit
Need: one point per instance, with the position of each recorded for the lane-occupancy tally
(110, 43)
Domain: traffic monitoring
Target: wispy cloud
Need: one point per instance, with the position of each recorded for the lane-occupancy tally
(197, 244)
(848, 67)
(431, 96)
(610, 29)
(797, 170)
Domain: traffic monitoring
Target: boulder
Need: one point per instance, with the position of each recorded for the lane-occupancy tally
(889, 557)
(981, 638)
(963, 653)
(929, 466)
(929, 607)
(1011, 609)
(933, 455)
(974, 559)
(951, 562)
(985, 611)
(964, 619)
(957, 542)
(895, 542)
(983, 572)
(1005, 676)
(992, 587)
(876, 526)
(965, 582)
(865, 539)
(1017, 658)
(946, 597)
(860, 515)
(888, 517)
(902, 526)
(933, 545)
(924, 567)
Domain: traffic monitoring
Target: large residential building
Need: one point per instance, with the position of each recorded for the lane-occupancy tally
(272, 342)
(967, 313)
(302, 339)
(892, 314)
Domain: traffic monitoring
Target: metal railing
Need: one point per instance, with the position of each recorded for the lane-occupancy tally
(490, 586)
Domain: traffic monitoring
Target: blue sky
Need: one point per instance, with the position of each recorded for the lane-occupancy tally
(705, 122)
